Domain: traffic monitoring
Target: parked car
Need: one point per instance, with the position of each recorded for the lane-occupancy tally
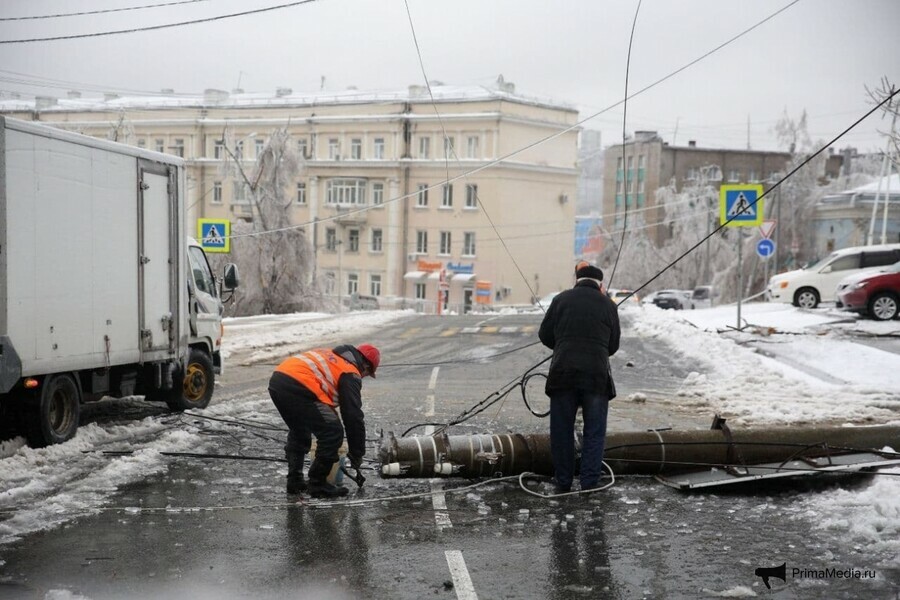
(619, 296)
(809, 286)
(361, 302)
(704, 296)
(674, 299)
(874, 294)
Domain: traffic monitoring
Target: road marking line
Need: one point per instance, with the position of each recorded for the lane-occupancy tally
(490, 329)
(509, 329)
(462, 582)
(449, 332)
(439, 501)
(471, 329)
(433, 382)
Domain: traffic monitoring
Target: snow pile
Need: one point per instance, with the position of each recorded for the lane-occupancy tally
(809, 379)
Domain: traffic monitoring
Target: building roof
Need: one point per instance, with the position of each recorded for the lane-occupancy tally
(282, 97)
(889, 184)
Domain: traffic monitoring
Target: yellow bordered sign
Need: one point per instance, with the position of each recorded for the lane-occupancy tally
(214, 235)
(742, 204)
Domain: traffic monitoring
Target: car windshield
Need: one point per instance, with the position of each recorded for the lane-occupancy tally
(821, 263)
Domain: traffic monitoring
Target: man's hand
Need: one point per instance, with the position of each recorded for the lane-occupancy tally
(355, 461)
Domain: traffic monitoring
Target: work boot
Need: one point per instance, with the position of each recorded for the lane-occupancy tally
(318, 483)
(295, 481)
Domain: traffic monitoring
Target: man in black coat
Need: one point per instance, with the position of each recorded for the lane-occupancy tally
(582, 328)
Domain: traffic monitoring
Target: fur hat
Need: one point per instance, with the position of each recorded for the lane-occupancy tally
(586, 269)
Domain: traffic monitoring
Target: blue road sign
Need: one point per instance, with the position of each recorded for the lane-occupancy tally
(741, 205)
(765, 248)
(214, 234)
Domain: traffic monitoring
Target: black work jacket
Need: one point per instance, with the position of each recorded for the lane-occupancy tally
(582, 328)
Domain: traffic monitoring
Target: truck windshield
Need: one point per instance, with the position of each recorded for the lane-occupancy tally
(203, 279)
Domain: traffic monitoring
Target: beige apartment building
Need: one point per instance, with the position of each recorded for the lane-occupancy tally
(460, 194)
(648, 163)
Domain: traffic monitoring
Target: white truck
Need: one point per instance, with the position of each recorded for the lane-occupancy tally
(101, 292)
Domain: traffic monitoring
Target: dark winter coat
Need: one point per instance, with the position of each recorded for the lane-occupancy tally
(582, 328)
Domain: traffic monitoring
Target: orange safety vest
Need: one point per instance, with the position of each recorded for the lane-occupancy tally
(319, 371)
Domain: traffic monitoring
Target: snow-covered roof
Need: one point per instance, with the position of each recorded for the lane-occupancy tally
(888, 184)
(283, 97)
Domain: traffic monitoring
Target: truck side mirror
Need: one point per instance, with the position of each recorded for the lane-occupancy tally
(231, 280)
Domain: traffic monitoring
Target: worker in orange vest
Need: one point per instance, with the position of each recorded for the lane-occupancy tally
(308, 389)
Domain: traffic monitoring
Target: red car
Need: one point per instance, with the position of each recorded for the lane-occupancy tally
(875, 294)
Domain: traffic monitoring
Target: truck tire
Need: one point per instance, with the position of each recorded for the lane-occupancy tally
(53, 418)
(197, 385)
(806, 297)
(884, 306)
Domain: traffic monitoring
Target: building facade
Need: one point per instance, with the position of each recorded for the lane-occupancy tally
(401, 195)
(634, 171)
(854, 218)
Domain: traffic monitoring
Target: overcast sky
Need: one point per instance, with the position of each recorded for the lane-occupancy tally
(817, 55)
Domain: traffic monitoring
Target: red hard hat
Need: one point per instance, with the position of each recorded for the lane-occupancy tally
(371, 354)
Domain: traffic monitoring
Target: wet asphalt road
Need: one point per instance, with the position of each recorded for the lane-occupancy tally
(225, 529)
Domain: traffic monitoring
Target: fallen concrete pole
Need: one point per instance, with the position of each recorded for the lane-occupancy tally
(635, 452)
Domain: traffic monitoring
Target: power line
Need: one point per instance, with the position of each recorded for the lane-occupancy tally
(156, 27)
(97, 12)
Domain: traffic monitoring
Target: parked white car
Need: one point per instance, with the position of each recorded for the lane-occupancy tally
(808, 287)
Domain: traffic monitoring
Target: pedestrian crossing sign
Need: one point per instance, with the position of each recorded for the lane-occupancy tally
(214, 234)
(741, 205)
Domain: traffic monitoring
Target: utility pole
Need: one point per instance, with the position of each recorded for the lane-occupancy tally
(885, 166)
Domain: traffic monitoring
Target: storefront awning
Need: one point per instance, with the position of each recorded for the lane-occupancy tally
(434, 275)
(464, 277)
(415, 275)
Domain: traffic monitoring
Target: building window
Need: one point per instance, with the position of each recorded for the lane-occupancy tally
(631, 186)
(641, 186)
(239, 150)
(160, 145)
(303, 148)
(471, 195)
(219, 149)
(301, 193)
(469, 243)
(259, 146)
(472, 146)
(356, 148)
(752, 177)
(445, 243)
(618, 187)
(449, 147)
(354, 240)
(377, 193)
(379, 148)
(375, 285)
(619, 164)
(734, 175)
(334, 149)
(424, 147)
(240, 193)
(217, 192)
(142, 143)
(641, 161)
(422, 195)
(352, 283)
(377, 240)
(692, 174)
(630, 163)
(420, 291)
(421, 242)
(346, 191)
(447, 196)
(329, 282)
(331, 239)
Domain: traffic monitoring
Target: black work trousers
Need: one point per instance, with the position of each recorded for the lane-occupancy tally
(305, 416)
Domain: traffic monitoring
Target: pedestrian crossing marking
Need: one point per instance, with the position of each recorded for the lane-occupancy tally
(490, 329)
(449, 332)
(471, 329)
(410, 332)
(529, 328)
(742, 207)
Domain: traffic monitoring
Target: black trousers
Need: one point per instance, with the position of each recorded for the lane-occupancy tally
(306, 416)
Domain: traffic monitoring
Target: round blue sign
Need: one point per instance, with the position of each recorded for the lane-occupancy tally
(765, 248)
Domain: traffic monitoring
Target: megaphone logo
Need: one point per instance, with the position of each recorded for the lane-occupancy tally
(766, 572)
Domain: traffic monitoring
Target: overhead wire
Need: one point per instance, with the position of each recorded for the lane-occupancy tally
(101, 11)
(158, 27)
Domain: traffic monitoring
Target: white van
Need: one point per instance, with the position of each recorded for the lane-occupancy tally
(809, 286)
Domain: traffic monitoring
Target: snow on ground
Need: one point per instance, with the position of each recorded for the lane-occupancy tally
(814, 373)
(787, 367)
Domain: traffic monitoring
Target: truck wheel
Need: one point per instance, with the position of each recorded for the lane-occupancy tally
(806, 298)
(883, 306)
(53, 419)
(197, 384)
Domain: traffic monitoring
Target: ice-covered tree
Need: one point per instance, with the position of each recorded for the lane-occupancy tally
(275, 258)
